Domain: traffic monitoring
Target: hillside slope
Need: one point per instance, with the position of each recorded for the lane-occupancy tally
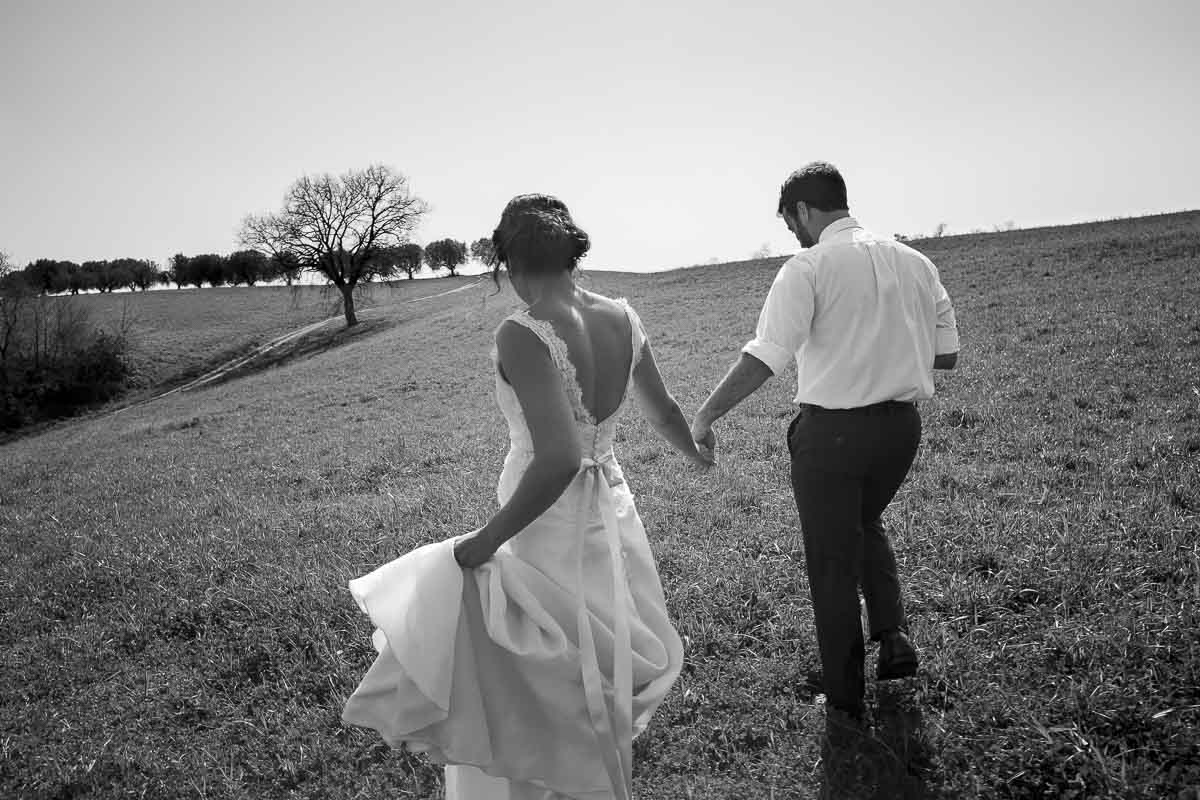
(176, 620)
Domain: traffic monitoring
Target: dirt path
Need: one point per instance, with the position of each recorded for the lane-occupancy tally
(279, 341)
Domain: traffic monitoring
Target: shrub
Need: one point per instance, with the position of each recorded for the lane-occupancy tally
(53, 360)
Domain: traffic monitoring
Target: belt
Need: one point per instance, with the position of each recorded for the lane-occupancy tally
(884, 408)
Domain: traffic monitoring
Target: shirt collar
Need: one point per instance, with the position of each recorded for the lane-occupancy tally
(838, 226)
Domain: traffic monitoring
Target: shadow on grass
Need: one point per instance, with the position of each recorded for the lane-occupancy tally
(315, 343)
(889, 763)
(312, 344)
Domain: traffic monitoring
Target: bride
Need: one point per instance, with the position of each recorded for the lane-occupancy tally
(527, 654)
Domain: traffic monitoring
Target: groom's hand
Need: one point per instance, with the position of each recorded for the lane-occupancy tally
(706, 441)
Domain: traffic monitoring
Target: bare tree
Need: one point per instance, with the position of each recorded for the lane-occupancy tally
(334, 226)
(940, 230)
(11, 278)
(15, 293)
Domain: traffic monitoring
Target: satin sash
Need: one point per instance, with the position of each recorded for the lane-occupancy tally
(614, 732)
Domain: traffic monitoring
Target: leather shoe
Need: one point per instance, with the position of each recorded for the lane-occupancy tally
(897, 657)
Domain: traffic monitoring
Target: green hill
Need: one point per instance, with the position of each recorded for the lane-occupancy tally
(176, 623)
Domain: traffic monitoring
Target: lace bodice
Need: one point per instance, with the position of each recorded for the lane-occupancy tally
(595, 436)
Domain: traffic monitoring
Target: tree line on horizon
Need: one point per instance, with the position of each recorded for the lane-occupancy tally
(349, 229)
(242, 267)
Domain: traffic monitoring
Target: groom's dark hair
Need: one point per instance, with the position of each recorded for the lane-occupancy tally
(818, 184)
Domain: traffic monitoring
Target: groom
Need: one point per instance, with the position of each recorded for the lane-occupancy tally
(867, 321)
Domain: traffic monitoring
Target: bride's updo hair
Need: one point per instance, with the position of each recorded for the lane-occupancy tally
(538, 230)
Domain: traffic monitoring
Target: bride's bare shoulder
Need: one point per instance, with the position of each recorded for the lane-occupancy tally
(605, 304)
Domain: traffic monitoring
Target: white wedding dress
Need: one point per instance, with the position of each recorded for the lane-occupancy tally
(530, 675)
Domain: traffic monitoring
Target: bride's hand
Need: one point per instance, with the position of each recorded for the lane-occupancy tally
(473, 549)
(706, 444)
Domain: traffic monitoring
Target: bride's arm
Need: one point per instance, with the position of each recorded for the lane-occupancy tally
(661, 409)
(529, 369)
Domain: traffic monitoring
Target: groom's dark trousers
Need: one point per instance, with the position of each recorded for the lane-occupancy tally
(846, 467)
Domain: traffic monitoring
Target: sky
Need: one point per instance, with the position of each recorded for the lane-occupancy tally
(144, 129)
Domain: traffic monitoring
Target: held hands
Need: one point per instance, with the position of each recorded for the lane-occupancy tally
(706, 442)
(474, 549)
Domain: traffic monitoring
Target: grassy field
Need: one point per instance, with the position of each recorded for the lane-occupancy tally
(175, 621)
(178, 334)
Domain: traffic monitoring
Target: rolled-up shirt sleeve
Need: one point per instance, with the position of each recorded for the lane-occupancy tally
(786, 317)
(946, 333)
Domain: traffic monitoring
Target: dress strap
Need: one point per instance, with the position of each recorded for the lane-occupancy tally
(637, 333)
(559, 354)
(544, 331)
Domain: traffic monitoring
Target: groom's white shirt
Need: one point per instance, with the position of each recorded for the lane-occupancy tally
(862, 316)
